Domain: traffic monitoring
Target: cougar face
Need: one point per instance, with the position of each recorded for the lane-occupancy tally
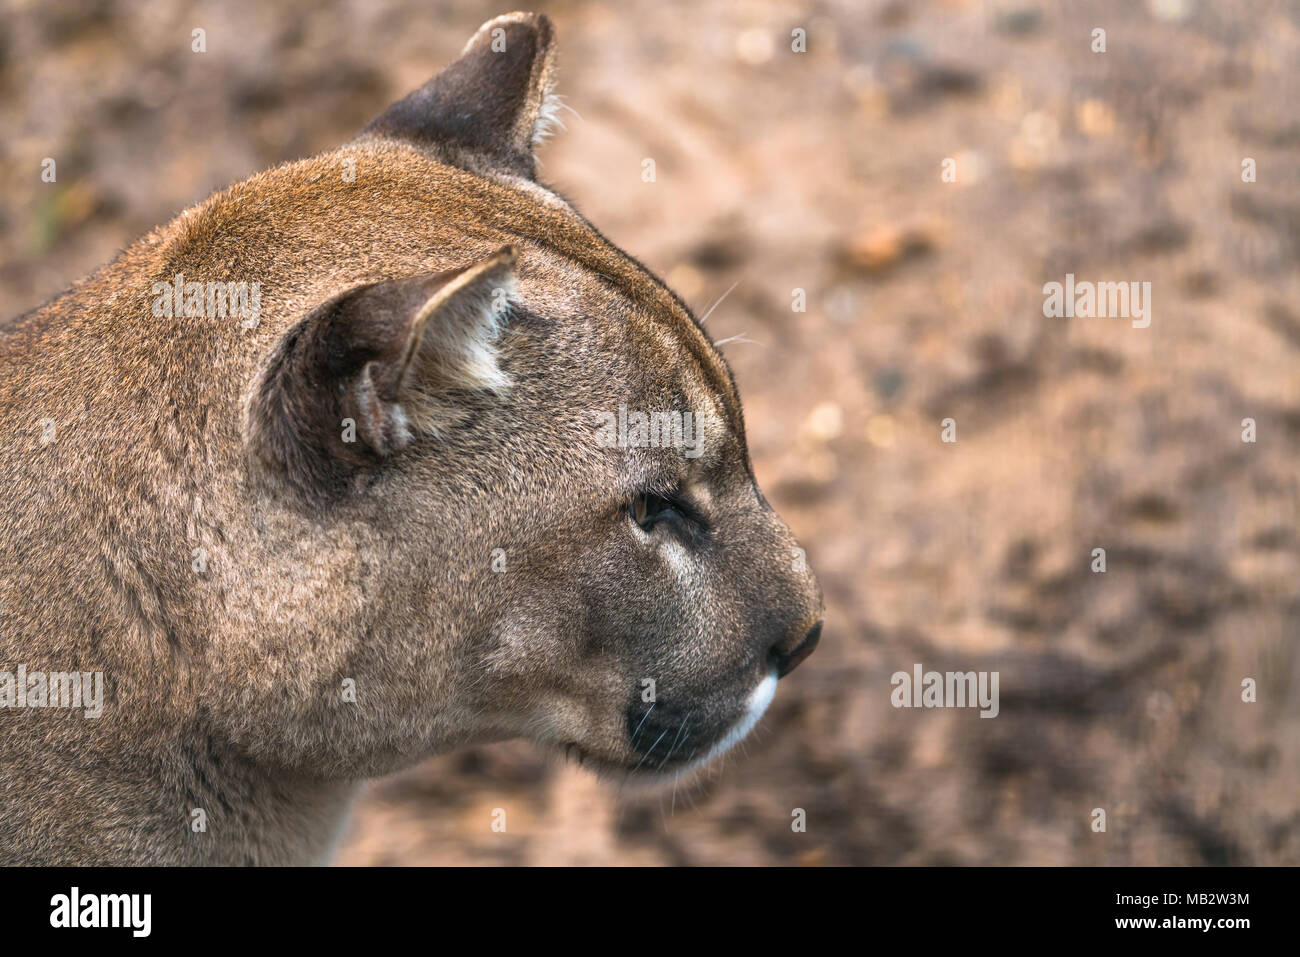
(470, 473)
(580, 552)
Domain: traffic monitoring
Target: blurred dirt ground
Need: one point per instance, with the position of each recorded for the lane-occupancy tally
(821, 171)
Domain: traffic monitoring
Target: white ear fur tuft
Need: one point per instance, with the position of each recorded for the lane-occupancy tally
(461, 323)
(548, 118)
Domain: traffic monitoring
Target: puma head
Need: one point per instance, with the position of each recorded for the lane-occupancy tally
(531, 449)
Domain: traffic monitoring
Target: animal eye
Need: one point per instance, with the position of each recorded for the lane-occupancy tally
(647, 509)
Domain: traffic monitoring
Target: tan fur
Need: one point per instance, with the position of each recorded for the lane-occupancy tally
(371, 561)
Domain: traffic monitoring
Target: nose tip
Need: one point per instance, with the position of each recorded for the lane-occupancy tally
(786, 662)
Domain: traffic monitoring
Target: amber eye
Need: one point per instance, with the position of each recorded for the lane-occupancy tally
(647, 508)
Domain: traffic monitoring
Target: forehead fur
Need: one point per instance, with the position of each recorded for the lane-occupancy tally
(311, 232)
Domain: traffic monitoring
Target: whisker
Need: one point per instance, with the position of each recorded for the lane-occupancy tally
(719, 302)
(650, 752)
(643, 717)
(739, 338)
(673, 747)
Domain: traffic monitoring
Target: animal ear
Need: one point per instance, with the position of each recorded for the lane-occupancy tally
(330, 401)
(492, 102)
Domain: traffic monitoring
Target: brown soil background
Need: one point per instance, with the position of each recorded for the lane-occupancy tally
(821, 171)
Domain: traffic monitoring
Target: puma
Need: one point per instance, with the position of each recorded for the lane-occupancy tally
(369, 509)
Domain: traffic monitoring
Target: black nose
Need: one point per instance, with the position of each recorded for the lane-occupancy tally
(787, 661)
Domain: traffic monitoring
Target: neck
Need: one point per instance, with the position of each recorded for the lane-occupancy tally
(196, 803)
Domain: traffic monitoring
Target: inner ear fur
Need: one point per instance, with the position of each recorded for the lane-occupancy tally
(332, 398)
